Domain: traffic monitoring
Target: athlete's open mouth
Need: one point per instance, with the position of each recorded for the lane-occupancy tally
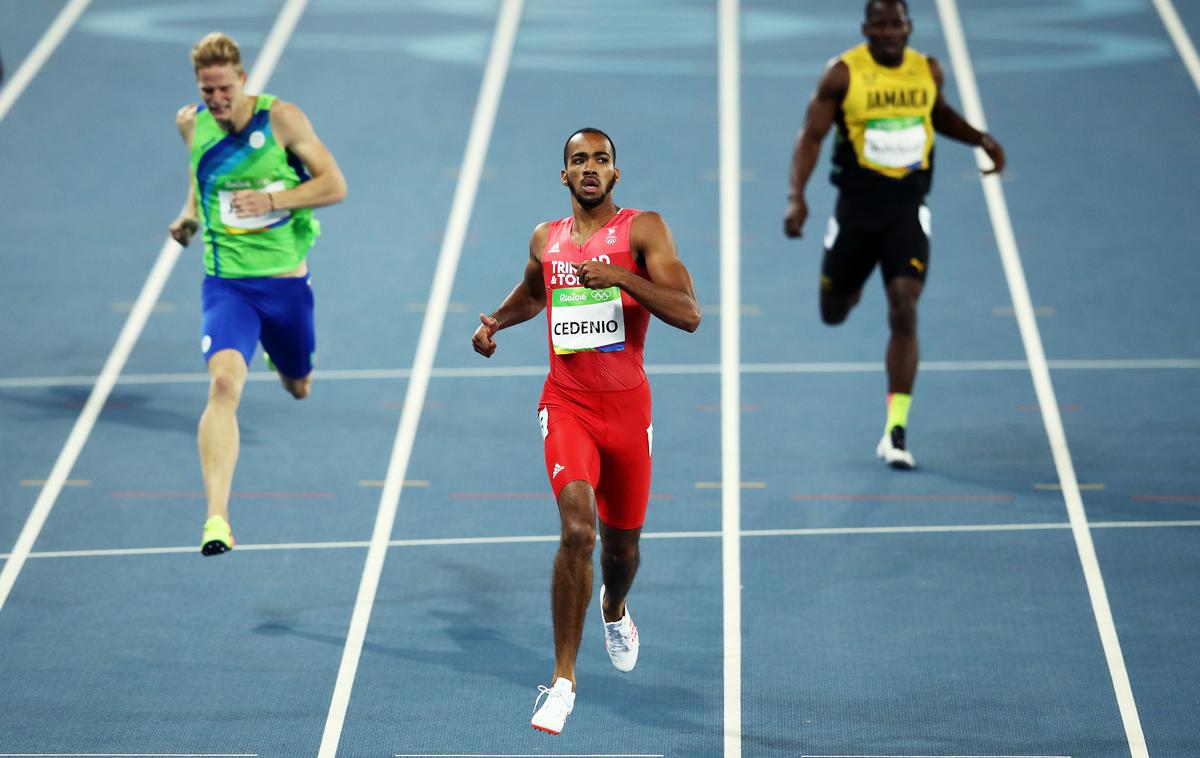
(590, 183)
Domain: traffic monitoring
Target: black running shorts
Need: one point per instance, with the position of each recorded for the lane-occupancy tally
(864, 231)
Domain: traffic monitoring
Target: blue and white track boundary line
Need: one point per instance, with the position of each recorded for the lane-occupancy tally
(830, 531)
(654, 369)
(479, 137)
(41, 52)
(281, 32)
(1031, 337)
(1179, 35)
(730, 114)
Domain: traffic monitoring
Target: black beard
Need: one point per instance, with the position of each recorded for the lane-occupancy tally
(883, 58)
(588, 203)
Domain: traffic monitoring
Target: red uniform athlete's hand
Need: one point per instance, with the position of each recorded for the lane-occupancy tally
(794, 217)
(598, 275)
(482, 340)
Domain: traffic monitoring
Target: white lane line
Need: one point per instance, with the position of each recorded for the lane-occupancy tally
(478, 140)
(533, 538)
(128, 755)
(932, 529)
(272, 49)
(850, 367)
(856, 755)
(661, 369)
(1119, 364)
(40, 54)
(1034, 351)
(530, 755)
(875, 367)
(1142, 524)
(1179, 35)
(138, 316)
(729, 95)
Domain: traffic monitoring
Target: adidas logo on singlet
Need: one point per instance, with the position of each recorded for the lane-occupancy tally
(553, 249)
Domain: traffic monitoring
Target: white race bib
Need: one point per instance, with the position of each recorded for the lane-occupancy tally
(583, 319)
(244, 224)
(895, 142)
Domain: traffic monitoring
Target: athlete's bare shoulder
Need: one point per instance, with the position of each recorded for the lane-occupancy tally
(537, 240)
(647, 225)
(651, 239)
(283, 109)
(835, 80)
(645, 217)
(290, 124)
(935, 70)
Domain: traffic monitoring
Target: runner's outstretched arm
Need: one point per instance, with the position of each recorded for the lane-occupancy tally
(668, 292)
(818, 120)
(186, 223)
(525, 301)
(950, 122)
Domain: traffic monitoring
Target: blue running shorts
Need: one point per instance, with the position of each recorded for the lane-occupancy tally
(276, 311)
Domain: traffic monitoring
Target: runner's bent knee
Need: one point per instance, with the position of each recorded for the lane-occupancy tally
(228, 372)
(578, 535)
(903, 293)
(577, 510)
(835, 308)
(902, 317)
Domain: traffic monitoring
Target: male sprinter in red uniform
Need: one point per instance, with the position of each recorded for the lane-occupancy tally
(599, 274)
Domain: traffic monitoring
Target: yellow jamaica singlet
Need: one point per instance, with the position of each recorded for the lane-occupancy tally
(885, 124)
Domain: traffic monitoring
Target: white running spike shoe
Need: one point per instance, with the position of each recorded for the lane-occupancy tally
(550, 715)
(620, 638)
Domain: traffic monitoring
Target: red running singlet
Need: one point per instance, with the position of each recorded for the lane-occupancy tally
(602, 368)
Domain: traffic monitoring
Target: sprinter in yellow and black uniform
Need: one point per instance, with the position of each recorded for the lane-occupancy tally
(886, 101)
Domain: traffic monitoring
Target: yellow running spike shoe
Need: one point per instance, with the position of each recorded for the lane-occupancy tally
(218, 537)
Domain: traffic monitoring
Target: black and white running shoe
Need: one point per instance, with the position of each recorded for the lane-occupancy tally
(894, 451)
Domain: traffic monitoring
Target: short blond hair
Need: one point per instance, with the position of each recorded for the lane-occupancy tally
(216, 49)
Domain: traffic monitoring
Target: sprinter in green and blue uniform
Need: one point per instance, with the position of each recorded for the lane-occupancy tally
(257, 171)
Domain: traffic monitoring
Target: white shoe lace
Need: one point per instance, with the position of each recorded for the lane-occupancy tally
(618, 639)
(547, 692)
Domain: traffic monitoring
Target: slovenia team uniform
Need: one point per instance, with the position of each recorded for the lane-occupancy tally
(244, 299)
(595, 405)
(882, 166)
